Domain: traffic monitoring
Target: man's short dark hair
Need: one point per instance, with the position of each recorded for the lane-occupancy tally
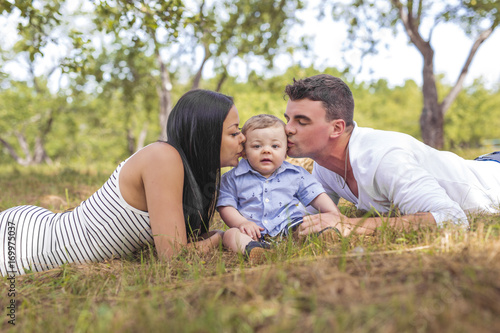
(330, 90)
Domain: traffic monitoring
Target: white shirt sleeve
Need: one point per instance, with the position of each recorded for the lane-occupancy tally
(402, 181)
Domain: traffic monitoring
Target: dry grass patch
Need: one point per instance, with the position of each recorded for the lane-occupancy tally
(435, 281)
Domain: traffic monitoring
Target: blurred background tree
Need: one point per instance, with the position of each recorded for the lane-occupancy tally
(366, 19)
(95, 80)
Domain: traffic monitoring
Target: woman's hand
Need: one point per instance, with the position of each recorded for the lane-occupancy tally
(208, 241)
(215, 237)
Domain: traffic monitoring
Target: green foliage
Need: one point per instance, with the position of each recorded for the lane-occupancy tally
(267, 95)
(396, 109)
(252, 28)
(96, 127)
(40, 18)
(475, 13)
(141, 16)
(474, 118)
(108, 106)
(28, 112)
(367, 19)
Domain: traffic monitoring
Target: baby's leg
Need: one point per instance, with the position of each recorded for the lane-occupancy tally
(235, 240)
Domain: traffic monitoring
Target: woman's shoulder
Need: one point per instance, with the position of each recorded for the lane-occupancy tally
(157, 155)
(160, 151)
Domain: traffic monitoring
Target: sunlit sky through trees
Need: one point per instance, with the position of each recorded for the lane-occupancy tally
(397, 62)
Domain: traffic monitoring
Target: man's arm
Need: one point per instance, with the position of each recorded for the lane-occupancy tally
(364, 226)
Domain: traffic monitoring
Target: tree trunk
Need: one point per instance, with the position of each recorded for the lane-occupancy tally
(40, 154)
(13, 154)
(197, 77)
(134, 144)
(432, 117)
(165, 97)
(221, 81)
(130, 141)
(142, 136)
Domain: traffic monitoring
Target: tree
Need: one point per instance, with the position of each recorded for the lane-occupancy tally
(123, 73)
(246, 29)
(223, 29)
(478, 19)
(28, 103)
(153, 23)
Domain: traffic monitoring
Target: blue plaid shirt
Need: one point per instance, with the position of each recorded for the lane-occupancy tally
(269, 202)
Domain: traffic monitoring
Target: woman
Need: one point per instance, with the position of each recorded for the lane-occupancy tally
(164, 195)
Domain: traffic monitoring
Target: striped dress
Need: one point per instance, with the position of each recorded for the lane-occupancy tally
(102, 227)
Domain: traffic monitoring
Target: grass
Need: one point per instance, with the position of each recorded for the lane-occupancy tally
(424, 281)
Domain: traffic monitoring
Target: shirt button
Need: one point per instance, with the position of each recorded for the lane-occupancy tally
(265, 221)
(267, 181)
(267, 200)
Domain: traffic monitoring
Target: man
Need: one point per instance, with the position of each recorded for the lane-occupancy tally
(381, 170)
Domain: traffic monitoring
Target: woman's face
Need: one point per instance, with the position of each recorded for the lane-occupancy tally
(232, 139)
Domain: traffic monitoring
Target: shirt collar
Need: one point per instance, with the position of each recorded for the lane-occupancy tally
(244, 167)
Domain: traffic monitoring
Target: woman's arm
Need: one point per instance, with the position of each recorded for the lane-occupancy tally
(162, 174)
(152, 180)
(213, 240)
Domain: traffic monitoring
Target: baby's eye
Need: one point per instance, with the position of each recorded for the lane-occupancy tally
(275, 146)
(256, 146)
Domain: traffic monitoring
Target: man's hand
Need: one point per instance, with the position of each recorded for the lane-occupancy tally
(315, 223)
(251, 229)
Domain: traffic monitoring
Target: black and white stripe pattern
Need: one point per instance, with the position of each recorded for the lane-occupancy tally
(102, 227)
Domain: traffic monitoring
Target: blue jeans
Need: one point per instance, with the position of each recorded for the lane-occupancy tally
(495, 156)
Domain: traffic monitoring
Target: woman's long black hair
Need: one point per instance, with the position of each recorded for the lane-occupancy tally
(194, 128)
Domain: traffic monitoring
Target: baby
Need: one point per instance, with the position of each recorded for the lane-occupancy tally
(261, 195)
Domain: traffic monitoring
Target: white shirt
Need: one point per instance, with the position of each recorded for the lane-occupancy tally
(395, 169)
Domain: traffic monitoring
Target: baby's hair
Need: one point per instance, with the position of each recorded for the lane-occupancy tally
(261, 121)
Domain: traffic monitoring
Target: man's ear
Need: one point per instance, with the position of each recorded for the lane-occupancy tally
(338, 127)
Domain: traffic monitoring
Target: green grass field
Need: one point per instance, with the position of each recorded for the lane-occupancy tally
(425, 281)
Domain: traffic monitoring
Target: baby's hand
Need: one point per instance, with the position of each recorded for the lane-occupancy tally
(251, 229)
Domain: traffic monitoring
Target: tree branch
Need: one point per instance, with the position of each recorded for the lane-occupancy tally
(24, 147)
(419, 11)
(411, 28)
(409, 5)
(431, 31)
(12, 152)
(448, 100)
(197, 77)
